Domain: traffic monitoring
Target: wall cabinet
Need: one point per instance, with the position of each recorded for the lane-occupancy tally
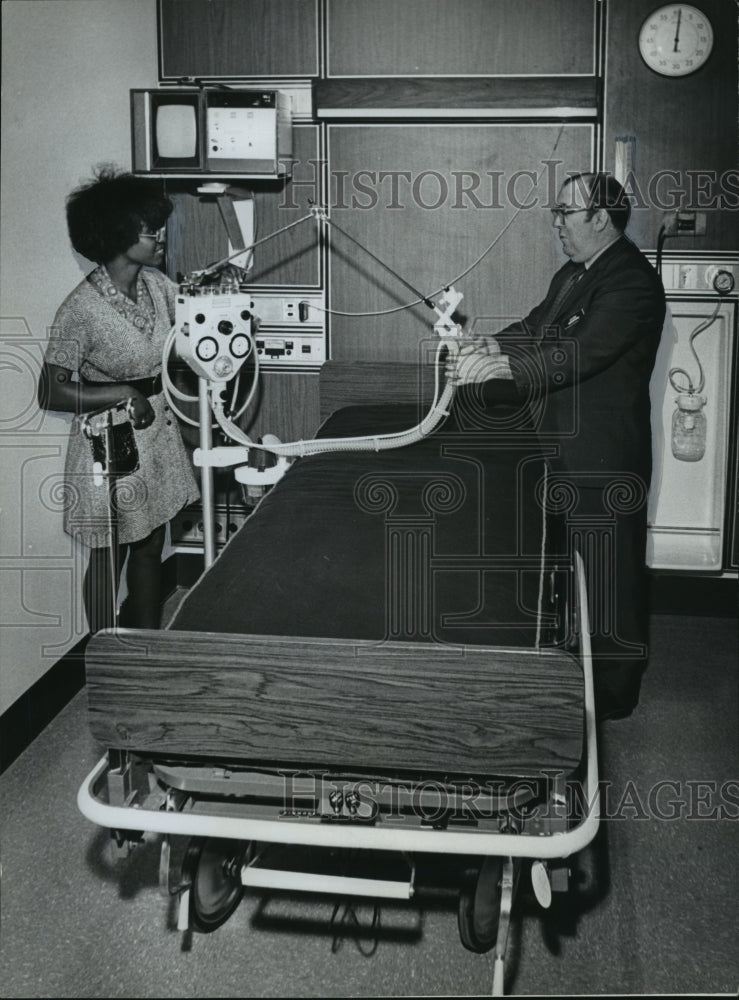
(376, 38)
(413, 38)
(227, 39)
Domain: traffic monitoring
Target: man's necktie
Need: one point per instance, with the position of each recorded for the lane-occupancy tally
(567, 285)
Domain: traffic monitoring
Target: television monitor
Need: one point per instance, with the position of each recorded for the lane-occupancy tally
(220, 132)
(167, 130)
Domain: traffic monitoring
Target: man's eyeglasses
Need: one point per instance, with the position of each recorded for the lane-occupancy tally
(562, 213)
(158, 235)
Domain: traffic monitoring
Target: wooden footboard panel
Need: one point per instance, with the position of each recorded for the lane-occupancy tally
(335, 703)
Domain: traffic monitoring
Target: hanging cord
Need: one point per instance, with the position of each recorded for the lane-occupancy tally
(422, 299)
(252, 390)
(690, 388)
(171, 391)
(426, 298)
(542, 558)
(349, 916)
(661, 237)
(345, 914)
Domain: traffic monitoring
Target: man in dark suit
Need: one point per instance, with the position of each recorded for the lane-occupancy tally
(581, 362)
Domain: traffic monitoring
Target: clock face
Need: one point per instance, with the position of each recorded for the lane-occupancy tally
(676, 39)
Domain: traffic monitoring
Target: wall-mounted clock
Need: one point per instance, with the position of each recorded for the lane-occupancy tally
(676, 39)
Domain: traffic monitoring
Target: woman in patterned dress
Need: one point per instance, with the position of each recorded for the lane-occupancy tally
(106, 345)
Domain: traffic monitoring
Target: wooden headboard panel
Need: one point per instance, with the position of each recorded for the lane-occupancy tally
(361, 383)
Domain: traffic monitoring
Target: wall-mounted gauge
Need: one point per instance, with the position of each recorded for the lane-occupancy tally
(721, 280)
(676, 39)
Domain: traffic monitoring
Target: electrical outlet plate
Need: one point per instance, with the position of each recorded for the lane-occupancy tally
(685, 224)
(187, 526)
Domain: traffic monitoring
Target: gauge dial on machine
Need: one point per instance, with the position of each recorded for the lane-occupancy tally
(676, 39)
(207, 348)
(240, 345)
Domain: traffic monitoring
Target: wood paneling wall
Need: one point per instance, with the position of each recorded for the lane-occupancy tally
(428, 200)
(685, 128)
(238, 38)
(463, 38)
(508, 96)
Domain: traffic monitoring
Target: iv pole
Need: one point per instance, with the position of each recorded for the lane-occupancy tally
(206, 473)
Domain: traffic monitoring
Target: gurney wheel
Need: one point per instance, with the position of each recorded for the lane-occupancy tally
(212, 868)
(479, 906)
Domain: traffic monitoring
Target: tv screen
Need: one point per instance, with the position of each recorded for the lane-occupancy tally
(176, 131)
(174, 124)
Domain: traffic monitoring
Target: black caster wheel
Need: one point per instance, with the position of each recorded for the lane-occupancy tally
(212, 869)
(479, 906)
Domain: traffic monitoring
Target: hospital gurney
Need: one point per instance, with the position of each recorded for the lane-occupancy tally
(376, 744)
(501, 769)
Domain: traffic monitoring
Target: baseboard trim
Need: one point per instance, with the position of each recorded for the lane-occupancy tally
(41, 703)
(675, 594)
(34, 710)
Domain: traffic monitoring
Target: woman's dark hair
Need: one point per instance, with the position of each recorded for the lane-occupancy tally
(106, 215)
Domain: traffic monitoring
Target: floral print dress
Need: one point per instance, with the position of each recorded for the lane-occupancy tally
(103, 336)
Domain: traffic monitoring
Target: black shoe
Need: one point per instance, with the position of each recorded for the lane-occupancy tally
(607, 714)
(616, 685)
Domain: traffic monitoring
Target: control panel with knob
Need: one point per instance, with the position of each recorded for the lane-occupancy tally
(214, 330)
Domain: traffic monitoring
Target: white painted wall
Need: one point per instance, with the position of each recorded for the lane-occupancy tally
(67, 68)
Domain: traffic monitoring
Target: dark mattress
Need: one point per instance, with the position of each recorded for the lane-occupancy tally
(440, 541)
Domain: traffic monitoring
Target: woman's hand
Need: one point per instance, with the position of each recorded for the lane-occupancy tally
(140, 410)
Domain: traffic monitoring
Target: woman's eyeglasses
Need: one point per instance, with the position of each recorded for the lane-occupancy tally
(159, 235)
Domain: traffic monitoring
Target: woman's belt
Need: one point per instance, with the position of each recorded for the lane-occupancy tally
(146, 386)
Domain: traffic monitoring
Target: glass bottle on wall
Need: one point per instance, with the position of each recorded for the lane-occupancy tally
(689, 428)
